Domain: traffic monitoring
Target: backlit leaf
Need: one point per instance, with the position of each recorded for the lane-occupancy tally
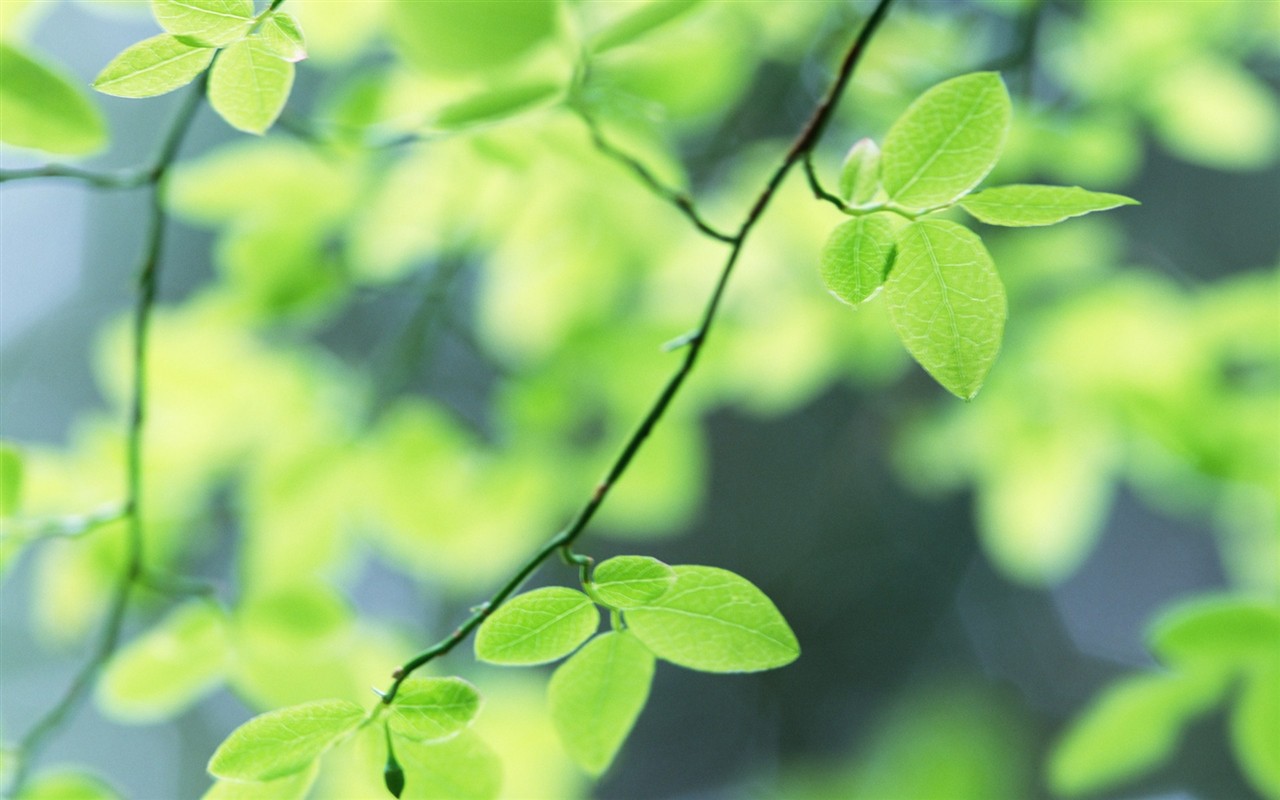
(1223, 631)
(1023, 205)
(496, 104)
(290, 787)
(946, 141)
(249, 85)
(210, 22)
(67, 786)
(947, 303)
(1255, 727)
(433, 708)
(537, 627)
(285, 741)
(856, 257)
(631, 581)
(10, 479)
(715, 621)
(596, 696)
(461, 768)
(283, 35)
(44, 110)
(636, 24)
(460, 36)
(152, 67)
(860, 173)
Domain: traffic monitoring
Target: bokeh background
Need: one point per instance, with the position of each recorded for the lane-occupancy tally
(386, 368)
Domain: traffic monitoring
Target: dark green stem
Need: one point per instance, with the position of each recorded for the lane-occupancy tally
(804, 142)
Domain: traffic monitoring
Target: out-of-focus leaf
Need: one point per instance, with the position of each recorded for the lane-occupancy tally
(497, 104)
(1255, 726)
(461, 768)
(462, 36)
(44, 110)
(636, 24)
(152, 67)
(1214, 113)
(1227, 632)
(67, 786)
(10, 479)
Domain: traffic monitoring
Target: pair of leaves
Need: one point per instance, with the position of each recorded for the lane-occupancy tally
(702, 618)
(945, 299)
(251, 78)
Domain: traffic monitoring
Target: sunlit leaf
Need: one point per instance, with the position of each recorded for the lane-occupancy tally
(1026, 205)
(631, 581)
(597, 695)
(249, 85)
(947, 303)
(67, 786)
(44, 110)
(860, 173)
(1215, 113)
(433, 708)
(856, 257)
(208, 22)
(282, 34)
(636, 24)
(946, 141)
(283, 742)
(152, 67)
(290, 787)
(10, 479)
(461, 768)
(1223, 631)
(1255, 726)
(497, 104)
(459, 36)
(536, 627)
(715, 621)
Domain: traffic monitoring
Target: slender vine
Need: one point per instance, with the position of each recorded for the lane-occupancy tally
(132, 573)
(808, 137)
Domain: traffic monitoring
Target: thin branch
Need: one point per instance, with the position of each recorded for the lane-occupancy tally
(563, 541)
(819, 192)
(40, 734)
(120, 179)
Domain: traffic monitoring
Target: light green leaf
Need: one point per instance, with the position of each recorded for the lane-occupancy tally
(283, 35)
(856, 257)
(67, 786)
(290, 787)
(461, 36)
(636, 24)
(631, 581)
(496, 104)
(715, 621)
(249, 85)
(1022, 205)
(433, 708)
(946, 141)
(860, 173)
(947, 303)
(461, 768)
(1255, 727)
(537, 627)
(1227, 632)
(285, 741)
(10, 479)
(152, 67)
(209, 22)
(1129, 730)
(169, 667)
(45, 110)
(596, 696)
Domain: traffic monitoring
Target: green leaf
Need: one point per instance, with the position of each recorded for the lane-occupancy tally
(946, 141)
(249, 85)
(290, 787)
(461, 768)
(462, 36)
(1022, 205)
(856, 257)
(1226, 632)
(496, 104)
(67, 786)
(636, 24)
(1129, 730)
(715, 621)
(1255, 727)
(283, 35)
(169, 667)
(947, 303)
(285, 741)
(152, 67)
(45, 110)
(631, 581)
(596, 696)
(433, 708)
(860, 173)
(209, 22)
(537, 627)
(10, 479)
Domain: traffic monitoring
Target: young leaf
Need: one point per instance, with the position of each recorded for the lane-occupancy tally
(856, 257)
(283, 35)
(290, 787)
(283, 742)
(10, 479)
(1255, 730)
(537, 627)
(596, 696)
(946, 141)
(152, 67)
(43, 110)
(249, 85)
(433, 708)
(860, 173)
(1129, 730)
(1021, 205)
(715, 621)
(461, 768)
(213, 23)
(1226, 631)
(947, 303)
(636, 24)
(631, 581)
